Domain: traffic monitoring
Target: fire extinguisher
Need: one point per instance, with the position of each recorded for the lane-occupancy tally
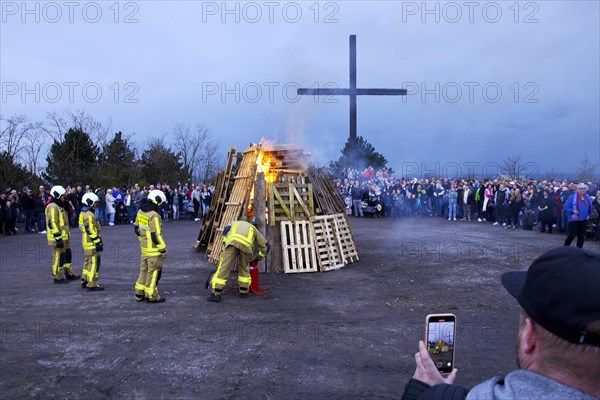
(253, 267)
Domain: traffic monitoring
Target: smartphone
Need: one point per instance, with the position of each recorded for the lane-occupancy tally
(440, 335)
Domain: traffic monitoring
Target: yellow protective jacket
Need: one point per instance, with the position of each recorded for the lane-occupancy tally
(148, 227)
(90, 230)
(57, 224)
(244, 236)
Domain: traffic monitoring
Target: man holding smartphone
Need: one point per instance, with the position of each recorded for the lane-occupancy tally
(558, 341)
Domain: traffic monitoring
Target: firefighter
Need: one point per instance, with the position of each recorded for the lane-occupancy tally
(58, 235)
(91, 242)
(241, 241)
(148, 228)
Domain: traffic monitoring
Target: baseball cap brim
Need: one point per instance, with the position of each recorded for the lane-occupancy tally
(514, 282)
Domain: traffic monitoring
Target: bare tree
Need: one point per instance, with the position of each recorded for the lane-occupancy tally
(59, 124)
(512, 166)
(189, 145)
(33, 144)
(211, 160)
(198, 151)
(12, 133)
(585, 170)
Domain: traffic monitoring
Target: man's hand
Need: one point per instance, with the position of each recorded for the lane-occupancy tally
(427, 372)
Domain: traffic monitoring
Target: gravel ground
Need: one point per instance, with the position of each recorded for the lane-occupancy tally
(350, 333)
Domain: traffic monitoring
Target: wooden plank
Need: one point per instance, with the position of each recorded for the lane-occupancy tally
(298, 247)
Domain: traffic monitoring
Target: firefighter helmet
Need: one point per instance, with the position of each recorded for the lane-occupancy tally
(89, 199)
(157, 197)
(57, 191)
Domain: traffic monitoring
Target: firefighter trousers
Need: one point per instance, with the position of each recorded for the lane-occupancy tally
(147, 283)
(61, 261)
(229, 256)
(91, 267)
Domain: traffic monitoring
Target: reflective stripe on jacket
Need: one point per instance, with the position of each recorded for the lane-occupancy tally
(90, 230)
(150, 223)
(245, 236)
(57, 223)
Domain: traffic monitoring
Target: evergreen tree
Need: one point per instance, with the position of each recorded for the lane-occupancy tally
(117, 164)
(73, 160)
(13, 174)
(358, 155)
(160, 164)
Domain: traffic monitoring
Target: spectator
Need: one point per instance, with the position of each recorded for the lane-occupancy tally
(467, 201)
(546, 208)
(101, 210)
(452, 203)
(579, 209)
(110, 206)
(206, 197)
(197, 200)
(39, 216)
(488, 202)
(177, 199)
(515, 205)
(10, 218)
(558, 340)
(596, 215)
(129, 204)
(28, 204)
(357, 195)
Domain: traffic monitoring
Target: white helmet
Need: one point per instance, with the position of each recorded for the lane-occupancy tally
(157, 197)
(57, 191)
(89, 199)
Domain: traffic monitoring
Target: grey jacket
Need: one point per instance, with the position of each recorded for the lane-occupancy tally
(522, 384)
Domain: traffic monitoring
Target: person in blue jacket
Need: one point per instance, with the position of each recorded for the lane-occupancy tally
(578, 207)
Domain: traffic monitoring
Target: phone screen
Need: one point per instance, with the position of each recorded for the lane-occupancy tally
(441, 331)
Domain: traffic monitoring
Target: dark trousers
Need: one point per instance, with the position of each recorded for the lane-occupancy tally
(576, 228)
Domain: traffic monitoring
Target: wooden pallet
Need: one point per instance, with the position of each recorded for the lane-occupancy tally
(236, 204)
(211, 220)
(290, 202)
(298, 249)
(334, 241)
(347, 244)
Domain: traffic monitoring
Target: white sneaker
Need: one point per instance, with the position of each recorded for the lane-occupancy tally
(43, 232)
(449, 219)
(479, 220)
(196, 219)
(495, 223)
(504, 224)
(111, 223)
(454, 219)
(484, 220)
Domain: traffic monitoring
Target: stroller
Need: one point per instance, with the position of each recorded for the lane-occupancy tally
(121, 216)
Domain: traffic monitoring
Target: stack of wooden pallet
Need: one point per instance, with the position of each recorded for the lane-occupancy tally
(307, 226)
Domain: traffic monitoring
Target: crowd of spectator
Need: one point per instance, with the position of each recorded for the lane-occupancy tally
(510, 203)
(117, 205)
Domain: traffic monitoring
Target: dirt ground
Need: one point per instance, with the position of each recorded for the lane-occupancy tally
(350, 333)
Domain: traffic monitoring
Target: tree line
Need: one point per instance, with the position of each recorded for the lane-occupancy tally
(79, 150)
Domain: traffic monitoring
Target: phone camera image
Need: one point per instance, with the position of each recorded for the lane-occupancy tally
(440, 342)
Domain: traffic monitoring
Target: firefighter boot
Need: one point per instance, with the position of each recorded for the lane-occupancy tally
(214, 297)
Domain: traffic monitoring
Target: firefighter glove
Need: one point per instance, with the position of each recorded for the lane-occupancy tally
(59, 243)
(99, 246)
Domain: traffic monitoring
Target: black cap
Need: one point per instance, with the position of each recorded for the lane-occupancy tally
(560, 292)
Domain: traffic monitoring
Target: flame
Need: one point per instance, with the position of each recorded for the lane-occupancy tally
(263, 162)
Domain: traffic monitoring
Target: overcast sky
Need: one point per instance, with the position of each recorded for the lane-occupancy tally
(485, 79)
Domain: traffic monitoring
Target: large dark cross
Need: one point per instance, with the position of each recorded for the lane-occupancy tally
(353, 91)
